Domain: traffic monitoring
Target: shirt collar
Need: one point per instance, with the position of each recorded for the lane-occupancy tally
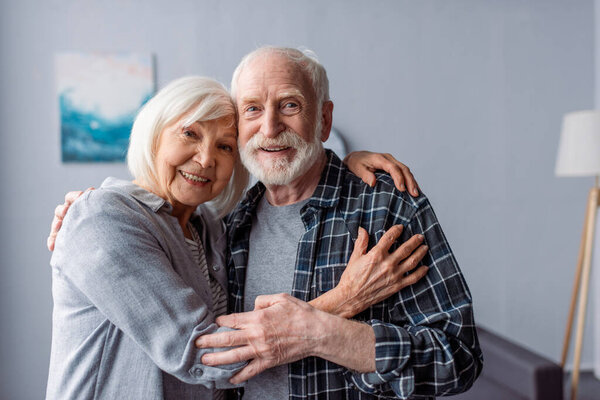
(327, 193)
(154, 202)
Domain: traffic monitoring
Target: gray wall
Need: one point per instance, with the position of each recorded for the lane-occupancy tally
(470, 94)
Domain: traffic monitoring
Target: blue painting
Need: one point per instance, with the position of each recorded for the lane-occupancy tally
(99, 96)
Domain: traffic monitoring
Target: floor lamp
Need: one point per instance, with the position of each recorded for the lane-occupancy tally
(579, 155)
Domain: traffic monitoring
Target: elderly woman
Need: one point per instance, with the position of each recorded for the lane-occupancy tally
(132, 285)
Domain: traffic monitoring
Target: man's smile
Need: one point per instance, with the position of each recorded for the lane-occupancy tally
(275, 149)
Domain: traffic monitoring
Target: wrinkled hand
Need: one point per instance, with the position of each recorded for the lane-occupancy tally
(280, 330)
(59, 214)
(374, 276)
(365, 163)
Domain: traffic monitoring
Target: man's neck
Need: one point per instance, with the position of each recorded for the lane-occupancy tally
(299, 189)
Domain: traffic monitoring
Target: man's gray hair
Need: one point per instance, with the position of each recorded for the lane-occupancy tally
(202, 99)
(304, 58)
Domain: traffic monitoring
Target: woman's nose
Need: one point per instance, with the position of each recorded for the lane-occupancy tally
(204, 156)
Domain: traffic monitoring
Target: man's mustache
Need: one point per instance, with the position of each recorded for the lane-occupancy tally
(287, 138)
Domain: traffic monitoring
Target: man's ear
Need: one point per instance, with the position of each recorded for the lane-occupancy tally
(326, 119)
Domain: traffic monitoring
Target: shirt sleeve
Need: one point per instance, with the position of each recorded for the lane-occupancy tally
(110, 251)
(429, 347)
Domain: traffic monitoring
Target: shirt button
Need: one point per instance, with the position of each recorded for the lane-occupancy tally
(216, 267)
(196, 371)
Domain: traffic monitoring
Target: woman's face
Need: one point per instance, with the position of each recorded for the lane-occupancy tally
(194, 163)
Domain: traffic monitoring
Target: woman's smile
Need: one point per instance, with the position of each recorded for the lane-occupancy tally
(193, 178)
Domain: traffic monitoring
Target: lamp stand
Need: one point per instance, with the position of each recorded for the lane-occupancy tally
(581, 286)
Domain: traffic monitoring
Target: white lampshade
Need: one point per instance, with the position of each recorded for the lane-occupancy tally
(579, 146)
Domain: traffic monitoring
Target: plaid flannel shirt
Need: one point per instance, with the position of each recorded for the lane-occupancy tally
(426, 343)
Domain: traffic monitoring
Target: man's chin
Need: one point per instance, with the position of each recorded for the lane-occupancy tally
(269, 161)
(272, 175)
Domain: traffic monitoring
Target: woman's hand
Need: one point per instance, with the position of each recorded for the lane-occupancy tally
(373, 276)
(59, 214)
(364, 163)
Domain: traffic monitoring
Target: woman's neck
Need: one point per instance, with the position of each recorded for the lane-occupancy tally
(182, 212)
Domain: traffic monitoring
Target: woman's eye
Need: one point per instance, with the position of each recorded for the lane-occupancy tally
(189, 133)
(226, 147)
(252, 109)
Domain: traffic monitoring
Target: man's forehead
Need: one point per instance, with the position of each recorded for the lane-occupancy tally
(272, 71)
(254, 94)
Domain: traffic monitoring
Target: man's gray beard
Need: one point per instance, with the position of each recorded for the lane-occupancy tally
(281, 171)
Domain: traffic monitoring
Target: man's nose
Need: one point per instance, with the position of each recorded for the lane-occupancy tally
(272, 124)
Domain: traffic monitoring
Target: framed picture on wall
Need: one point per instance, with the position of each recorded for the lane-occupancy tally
(98, 97)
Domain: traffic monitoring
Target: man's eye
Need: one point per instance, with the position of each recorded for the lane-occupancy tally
(290, 108)
(252, 109)
(226, 147)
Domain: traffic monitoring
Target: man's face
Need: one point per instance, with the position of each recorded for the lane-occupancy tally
(280, 128)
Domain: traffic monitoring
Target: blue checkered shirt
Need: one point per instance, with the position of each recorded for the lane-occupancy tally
(426, 344)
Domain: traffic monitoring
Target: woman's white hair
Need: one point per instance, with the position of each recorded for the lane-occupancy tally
(304, 58)
(203, 99)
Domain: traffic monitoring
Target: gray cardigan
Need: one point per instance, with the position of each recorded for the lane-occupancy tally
(129, 300)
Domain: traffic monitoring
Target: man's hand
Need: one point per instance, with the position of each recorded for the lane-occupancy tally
(374, 276)
(59, 214)
(283, 329)
(365, 163)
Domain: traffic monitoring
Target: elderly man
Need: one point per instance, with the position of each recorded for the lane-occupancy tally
(294, 233)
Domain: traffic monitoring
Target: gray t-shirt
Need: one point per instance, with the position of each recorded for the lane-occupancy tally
(274, 239)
